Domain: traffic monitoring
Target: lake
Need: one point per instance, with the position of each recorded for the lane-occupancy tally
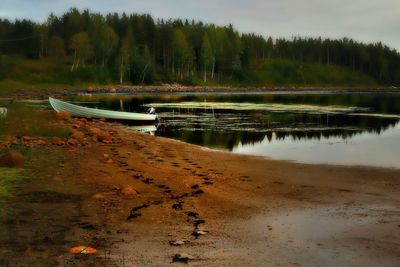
(345, 129)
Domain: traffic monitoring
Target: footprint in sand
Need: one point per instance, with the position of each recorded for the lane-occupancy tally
(178, 205)
(135, 212)
(148, 180)
(197, 192)
(179, 196)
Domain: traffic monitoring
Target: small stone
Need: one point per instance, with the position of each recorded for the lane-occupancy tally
(99, 196)
(57, 141)
(82, 250)
(41, 142)
(109, 161)
(177, 243)
(72, 142)
(78, 135)
(129, 191)
(198, 233)
(94, 131)
(63, 115)
(11, 139)
(12, 159)
(105, 138)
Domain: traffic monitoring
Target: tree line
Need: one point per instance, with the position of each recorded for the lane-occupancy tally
(137, 49)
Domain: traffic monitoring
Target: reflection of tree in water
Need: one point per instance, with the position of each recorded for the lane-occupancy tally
(214, 139)
(222, 136)
(226, 129)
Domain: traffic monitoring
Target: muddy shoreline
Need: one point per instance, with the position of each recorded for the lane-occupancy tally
(141, 200)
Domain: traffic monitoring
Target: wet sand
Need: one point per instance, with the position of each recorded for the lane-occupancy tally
(253, 211)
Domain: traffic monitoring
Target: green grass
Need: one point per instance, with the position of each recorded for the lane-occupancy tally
(21, 74)
(23, 120)
(7, 177)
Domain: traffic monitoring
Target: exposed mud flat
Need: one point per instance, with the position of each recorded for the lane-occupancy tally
(143, 200)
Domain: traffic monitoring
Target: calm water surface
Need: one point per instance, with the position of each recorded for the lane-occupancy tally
(349, 129)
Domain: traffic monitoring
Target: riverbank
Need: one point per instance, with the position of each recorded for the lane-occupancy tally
(140, 199)
(42, 92)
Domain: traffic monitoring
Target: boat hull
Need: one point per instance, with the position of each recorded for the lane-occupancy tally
(78, 111)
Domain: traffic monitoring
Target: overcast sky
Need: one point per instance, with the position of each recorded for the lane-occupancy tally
(362, 20)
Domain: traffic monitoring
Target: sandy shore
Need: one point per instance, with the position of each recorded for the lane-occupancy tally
(131, 198)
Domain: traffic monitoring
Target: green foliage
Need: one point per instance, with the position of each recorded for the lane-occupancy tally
(143, 71)
(133, 48)
(207, 55)
(191, 81)
(6, 65)
(57, 47)
(288, 72)
(82, 49)
(94, 74)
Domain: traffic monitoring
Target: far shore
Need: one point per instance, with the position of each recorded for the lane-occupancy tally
(38, 92)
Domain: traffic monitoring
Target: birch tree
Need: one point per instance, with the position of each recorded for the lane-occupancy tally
(206, 55)
(82, 48)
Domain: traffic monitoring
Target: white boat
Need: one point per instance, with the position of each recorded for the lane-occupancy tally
(79, 111)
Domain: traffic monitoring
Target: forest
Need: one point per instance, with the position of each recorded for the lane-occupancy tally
(81, 46)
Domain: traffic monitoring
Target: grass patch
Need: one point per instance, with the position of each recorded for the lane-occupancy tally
(7, 177)
(24, 120)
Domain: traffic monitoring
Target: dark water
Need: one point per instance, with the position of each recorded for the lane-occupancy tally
(350, 129)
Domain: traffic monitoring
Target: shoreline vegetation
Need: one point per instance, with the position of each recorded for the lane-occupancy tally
(18, 90)
(80, 48)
